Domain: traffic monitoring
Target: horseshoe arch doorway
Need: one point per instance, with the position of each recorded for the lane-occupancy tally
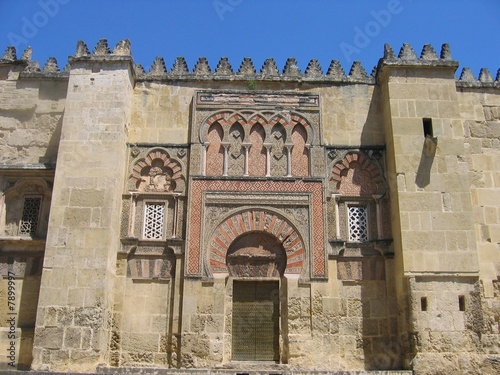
(256, 261)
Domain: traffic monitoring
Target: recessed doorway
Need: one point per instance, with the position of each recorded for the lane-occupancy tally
(255, 328)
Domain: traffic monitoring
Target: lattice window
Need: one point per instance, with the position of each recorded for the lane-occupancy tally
(358, 223)
(31, 215)
(154, 219)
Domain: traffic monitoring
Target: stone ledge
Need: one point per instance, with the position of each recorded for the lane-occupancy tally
(158, 371)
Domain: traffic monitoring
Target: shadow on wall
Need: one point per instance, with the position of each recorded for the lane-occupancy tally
(423, 177)
(51, 152)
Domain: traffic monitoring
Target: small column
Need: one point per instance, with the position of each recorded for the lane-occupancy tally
(379, 216)
(226, 151)
(309, 160)
(176, 213)
(288, 160)
(336, 198)
(204, 160)
(247, 148)
(131, 218)
(268, 160)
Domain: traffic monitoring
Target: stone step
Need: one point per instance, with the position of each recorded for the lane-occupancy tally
(162, 371)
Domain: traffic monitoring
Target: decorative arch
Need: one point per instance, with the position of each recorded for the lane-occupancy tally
(256, 221)
(220, 118)
(297, 119)
(215, 154)
(158, 172)
(284, 133)
(357, 175)
(257, 152)
(300, 154)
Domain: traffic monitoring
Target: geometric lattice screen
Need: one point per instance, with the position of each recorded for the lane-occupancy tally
(154, 217)
(31, 214)
(358, 224)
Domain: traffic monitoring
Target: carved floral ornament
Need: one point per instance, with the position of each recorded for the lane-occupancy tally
(268, 120)
(157, 173)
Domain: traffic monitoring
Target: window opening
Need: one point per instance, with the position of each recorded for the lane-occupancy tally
(31, 214)
(358, 223)
(427, 123)
(423, 303)
(154, 218)
(461, 303)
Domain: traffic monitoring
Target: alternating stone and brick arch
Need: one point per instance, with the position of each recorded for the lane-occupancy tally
(157, 172)
(355, 174)
(256, 144)
(256, 243)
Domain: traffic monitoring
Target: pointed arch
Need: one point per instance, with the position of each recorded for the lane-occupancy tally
(257, 152)
(215, 152)
(300, 153)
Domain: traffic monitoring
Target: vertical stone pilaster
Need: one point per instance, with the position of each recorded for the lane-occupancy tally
(75, 307)
(435, 252)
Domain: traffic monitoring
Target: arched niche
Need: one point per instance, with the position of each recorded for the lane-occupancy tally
(157, 173)
(215, 151)
(357, 175)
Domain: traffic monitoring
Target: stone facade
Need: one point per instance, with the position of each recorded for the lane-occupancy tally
(247, 220)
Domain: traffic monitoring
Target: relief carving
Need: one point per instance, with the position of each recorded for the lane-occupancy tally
(159, 181)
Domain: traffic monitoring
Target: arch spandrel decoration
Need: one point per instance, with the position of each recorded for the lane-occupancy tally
(158, 172)
(355, 174)
(261, 222)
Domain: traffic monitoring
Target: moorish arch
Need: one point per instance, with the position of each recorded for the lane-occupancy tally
(268, 241)
(158, 172)
(357, 175)
(254, 143)
(227, 118)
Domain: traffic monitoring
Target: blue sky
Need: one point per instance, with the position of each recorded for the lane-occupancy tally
(344, 30)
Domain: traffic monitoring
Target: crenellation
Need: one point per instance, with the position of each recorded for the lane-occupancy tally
(122, 48)
(485, 79)
(27, 53)
(247, 68)
(139, 71)
(269, 68)
(158, 69)
(335, 70)
(468, 76)
(407, 53)
(180, 66)
(81, 49)
(357, 71)
(9, 54)
(51, 66)
(485, 76)
(428, 53)
(313, 69)
(445, 52)
(102, 48)
(291, 68)
(224, 68)
(202, 68)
